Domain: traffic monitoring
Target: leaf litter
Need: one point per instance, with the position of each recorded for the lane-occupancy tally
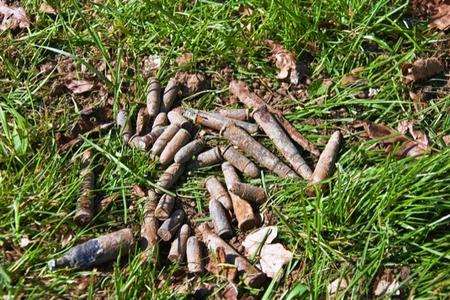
(13, 17)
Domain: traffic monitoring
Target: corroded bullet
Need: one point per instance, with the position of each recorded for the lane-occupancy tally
(180, 139)
(218, 192)
(188, 151)
(142, 121)
(327, 160)
(220, 220)
(194, 255)
(160, 121)
(125, 125)
(239, 161)
(241, 114)
(252, 276)
(170, 93)
(149, 227)
(243, 211)
(177, 251)
(85, 204)
(242, 140)
(144, 142)
(97, 251)
(170, 226)
(209, 157)
(164, 139)
(154, 98)
(175, 117)
(164, 207)
(217, 121)
(170, 176)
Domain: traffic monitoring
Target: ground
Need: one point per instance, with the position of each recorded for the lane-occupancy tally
(382, 213)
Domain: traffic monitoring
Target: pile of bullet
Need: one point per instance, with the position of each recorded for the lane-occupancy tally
(171, 136)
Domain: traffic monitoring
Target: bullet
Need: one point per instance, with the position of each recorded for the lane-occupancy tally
(164, 207)
(170, 226)
(125, 125)
(177, 251)
(241, 114)
(180, 139)
(170, 93)
(164, 139)
(243, 141)
(194, 255)
(218, 192)
(220, 220)
(97, 251)
(188, 151)
(327, 161)
(170, 176)
(144, 142)
(85, 204)
(252, 276)
(160, 121)
(243, 190)
(239, 161)
(154, 98)
(217, 121)
(175, 117)
(149, 227)
(210, 157)
(142, 121)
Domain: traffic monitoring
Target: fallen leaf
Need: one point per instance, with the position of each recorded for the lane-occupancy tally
(273, 258)
(383, 133)
(421, 69)
(337, 285)
(386, 284)
(184, 59)
(245, 11)
(79, 86)
(230, 292)
(253, 241)
(24, 242)
(150, 65)
(12, 17)
(191, 83)
(46, 8)
(446, 139)
(284, 60)
(441, 20)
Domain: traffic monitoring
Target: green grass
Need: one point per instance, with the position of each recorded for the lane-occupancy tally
(380, 211)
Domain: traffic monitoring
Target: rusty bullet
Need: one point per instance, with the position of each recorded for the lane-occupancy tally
(97, 251)
(246, 143)
(180, 139)
(149, 227)
(218, 192)
(170, 93)
(241, 114)
(194, 255)
(163, 139)
(189, 150)
(176, 117)
(220, 220)
(125, 125)
(177, 251)
(170, 226)
(209, 157)
(164, 207)
(85, 204)
(160, 121)
(170, 176)
(142, 121)
(144, 142)
(239, 161)
(154, 98)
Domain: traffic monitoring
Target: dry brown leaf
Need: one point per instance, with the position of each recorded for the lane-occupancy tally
(383, 133)
(273, 258)
(79, 86)
(46, 8)
(12, 17)
(230, 292)
(446, 139)
(191, 83)
(24, 242)
(386, 284)
(284, 60)
(150, 65)
(421, 69)
(253, 241)
(337, 285)
(184, 59)
(441, 20)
